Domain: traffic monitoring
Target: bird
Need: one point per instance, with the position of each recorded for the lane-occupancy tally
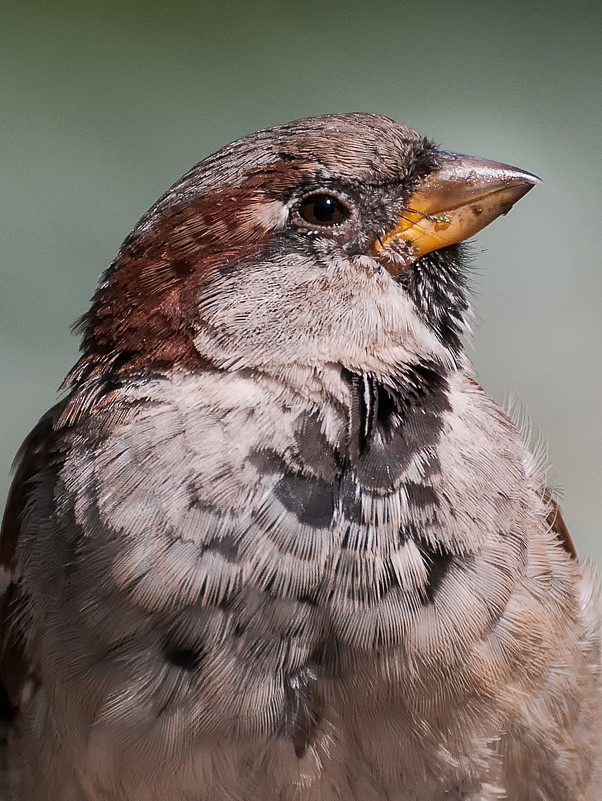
(275, 542)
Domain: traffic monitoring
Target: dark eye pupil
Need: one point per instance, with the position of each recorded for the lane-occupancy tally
(323, 210)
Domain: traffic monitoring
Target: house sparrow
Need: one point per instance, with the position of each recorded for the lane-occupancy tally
(276, 543)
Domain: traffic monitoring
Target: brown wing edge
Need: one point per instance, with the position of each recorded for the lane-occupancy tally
(32, 457)
(555, 521)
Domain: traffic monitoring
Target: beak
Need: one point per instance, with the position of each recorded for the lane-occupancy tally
(451, 204)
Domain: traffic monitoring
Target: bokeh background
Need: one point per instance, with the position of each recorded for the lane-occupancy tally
(104, 105)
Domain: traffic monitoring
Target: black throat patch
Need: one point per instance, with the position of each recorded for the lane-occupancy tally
(392, 419)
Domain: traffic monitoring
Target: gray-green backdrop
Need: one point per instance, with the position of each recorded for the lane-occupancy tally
(104, 105)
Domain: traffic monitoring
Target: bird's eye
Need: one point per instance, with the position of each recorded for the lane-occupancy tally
(323, 209)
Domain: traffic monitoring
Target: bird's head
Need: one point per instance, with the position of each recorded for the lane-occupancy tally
(326, 241)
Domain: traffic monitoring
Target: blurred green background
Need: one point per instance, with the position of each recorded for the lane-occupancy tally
(104, 105)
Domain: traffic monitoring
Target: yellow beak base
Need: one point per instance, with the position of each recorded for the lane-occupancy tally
(455, 201)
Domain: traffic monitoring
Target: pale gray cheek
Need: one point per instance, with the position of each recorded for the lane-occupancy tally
(336, 312)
